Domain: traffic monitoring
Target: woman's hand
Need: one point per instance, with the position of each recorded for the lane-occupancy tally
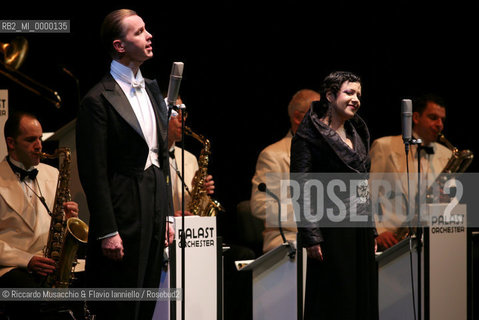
(315, 252)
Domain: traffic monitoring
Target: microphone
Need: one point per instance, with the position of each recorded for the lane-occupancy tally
(174, 85)
(406, 117)
(262, 187)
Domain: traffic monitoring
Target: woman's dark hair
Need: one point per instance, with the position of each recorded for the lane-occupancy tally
(112, 28)
(332, 83)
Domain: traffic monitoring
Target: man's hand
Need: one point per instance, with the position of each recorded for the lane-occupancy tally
(71, 209)
(386, 240)
(112, 247)
(209, 184)
(315, 252)
(41, 265)
(178, 213)
(170, 234)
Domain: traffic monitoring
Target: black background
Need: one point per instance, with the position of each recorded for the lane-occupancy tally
(244, 60)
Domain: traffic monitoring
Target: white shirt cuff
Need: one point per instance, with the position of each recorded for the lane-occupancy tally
(108, 235)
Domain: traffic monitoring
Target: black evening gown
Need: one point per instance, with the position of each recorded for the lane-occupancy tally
(344, 285)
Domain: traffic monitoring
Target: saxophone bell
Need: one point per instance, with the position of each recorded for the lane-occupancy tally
(459, 161)
(64, 237)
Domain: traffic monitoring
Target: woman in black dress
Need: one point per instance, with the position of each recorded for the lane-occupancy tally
(341, 278)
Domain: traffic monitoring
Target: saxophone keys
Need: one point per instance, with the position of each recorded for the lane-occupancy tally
(58, 227)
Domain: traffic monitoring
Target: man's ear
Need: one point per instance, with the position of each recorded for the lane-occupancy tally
(118, 45)
(415, 117)
(10, 143)
(297, 117)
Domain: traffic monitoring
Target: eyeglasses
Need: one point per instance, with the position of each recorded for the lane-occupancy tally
(179, 110)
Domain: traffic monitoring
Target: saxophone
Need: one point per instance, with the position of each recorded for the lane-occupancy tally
(64, 237)
(458, 163)
(201, 203)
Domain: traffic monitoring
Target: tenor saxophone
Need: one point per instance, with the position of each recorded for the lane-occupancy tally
(65, 236)
(201, 203)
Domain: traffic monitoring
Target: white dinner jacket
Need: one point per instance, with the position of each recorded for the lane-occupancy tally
(275, 161)
(24, 224)
(191, 166)
(388, 163)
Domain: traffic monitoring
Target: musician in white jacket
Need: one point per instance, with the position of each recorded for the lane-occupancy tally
(190, 164)
(388, 163)
(273, 162)
(24, 219)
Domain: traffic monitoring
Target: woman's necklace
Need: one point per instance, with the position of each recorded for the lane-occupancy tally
(342, 133)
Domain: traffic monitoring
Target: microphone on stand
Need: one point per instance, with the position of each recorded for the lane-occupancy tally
(262, 187)
(174, 85)
(172, 95)
(406, 122)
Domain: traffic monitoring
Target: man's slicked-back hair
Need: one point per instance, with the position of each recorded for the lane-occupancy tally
(112, 29)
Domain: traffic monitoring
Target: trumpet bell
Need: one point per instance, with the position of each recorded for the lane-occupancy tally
(14, 53)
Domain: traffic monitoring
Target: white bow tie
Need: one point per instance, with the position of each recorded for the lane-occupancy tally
(137, 84)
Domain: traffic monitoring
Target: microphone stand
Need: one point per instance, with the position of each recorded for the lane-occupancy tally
(182, 236)
(419, 230)
(181, 231)
(292, 251)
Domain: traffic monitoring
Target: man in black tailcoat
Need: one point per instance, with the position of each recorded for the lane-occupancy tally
(121, 143)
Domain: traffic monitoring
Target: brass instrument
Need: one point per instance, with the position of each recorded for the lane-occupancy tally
(14, 53)
(64, 237)
(201, 203)
(458, 163)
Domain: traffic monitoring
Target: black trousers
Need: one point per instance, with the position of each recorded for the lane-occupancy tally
(142, 206)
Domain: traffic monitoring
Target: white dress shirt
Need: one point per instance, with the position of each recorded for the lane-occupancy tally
(28, 185)
(134, 89)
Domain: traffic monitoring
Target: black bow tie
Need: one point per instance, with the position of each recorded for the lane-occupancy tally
(172, 153)
(428, 149)
(32, 174)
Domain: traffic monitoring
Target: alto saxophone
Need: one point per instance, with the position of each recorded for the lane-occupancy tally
(201, 203)
(64, 237)
(458, 163)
